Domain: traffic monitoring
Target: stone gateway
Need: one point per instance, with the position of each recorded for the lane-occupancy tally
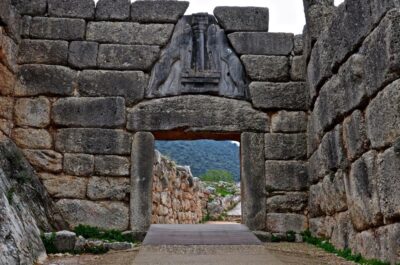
(85, 91)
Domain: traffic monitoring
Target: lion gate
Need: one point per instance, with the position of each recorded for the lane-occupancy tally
(93, 79)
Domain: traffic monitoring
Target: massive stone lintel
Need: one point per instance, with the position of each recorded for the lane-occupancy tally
(198, 60)
(196, 113)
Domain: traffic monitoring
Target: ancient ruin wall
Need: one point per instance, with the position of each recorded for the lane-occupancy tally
(81, 91)
(353, 130)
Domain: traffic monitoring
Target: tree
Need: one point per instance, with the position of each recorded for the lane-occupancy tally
(216, 175)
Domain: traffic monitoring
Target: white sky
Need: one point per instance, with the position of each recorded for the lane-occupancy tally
(284, 15)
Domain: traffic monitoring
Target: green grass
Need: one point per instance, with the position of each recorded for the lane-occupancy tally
(48, 243)
(107, 235)
(345, 253)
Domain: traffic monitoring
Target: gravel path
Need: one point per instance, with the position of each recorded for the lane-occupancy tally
(287, 253)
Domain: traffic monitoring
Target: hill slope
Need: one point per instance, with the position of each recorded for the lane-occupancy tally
(203, 155)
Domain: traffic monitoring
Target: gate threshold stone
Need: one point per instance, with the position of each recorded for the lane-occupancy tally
(201, 234)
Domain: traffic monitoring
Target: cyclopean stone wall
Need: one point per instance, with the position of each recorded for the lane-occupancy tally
(178, 197)
(354, 126)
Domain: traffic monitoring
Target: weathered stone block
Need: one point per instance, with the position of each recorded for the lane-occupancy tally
(196, 113)
(32, 138)
(388, 184)
(6, 107)
(289, 96)
(6, 127)
(32, 112)
(89, 112)
(158, 11)
(61, 186)
(332, 153)
(11, 18)
(280, 146)
(291, 202)
(83, 54)
(57, 28)
(102, 188)
(10, 50)
(298, 69)
(78, 164)
(129, 33)
(7, 81)
(286, 175)
(382, 53)
(127, 84)
(113, 9)
(298, 44)
(142, 161)
(266, 68)
(355, 135)
(111, 166)
(43, 52)
(45, 79)
(382, 117)
(341, 230)
(127, 57)
(71, 8)
(30, 7)
(262, 43)
(362, 192)
(284, 222)
(388, 238)
(253, 181)
(97, 214)
(289, 122)
(93, 141)
(44, 160)
(233, 18)
(328, 197)
(26, 26)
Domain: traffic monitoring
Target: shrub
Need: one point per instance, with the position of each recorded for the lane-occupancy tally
(216, 175)
(108, 235)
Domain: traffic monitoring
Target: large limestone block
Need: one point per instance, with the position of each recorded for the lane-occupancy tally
(32, 138)
(83, 54)
(78, 164)
(262, 43)
(196, 113)
(285, 222)
(289, 122)
(57, 28)
(389, 184)
(111, 166)
(362, 192)
(142, 162)
(253, 180)
(158, 11)
(71, 8)
(30, 7)
(382, 117)
(127, 84)
(288, 96)
(89, 112)
(129, 33)
(34, 112)
(96, 214)
(113, 10)
(44, 160)
(266, 68)
(6, 107)
(286, 175)
(298, 68)
(103, 188)
(63, 186)
(7, 81)
(93, 141)
(341, 230)
(355, 135)
(43, 52)
(233, 18)
(280, 146)
(127, 57)
(290, 202)
(45, 80)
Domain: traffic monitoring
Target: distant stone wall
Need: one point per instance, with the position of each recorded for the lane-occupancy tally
(178, 197)
(354, 127)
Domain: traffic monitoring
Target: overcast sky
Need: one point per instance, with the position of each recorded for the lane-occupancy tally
(285, 15)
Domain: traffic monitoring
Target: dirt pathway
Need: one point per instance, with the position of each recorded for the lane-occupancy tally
(287, 253)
